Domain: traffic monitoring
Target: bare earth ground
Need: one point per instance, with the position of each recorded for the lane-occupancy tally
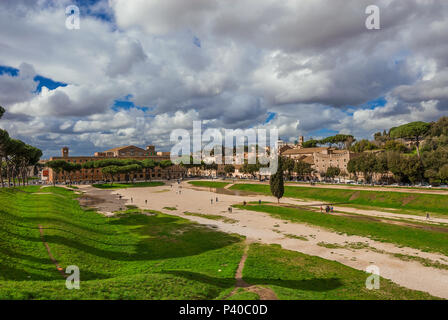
(260, 227)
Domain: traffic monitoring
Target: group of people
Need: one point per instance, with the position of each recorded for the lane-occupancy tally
(328, 209)
(211, 200)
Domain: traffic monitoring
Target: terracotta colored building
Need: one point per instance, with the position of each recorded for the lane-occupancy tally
(126, 152)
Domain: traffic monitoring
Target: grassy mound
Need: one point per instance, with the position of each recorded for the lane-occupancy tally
(118, 257)
(382, 199)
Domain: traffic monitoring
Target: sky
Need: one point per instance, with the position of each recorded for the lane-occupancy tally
(136, 70)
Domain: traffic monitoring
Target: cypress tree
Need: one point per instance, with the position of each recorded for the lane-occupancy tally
(276, 181)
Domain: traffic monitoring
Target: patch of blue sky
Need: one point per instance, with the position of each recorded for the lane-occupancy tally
(9, 70)
(126, 104)
(197, 42)
(270, 117)
(47, 82)
(41, 81)
(91, 8)
(322, 133)
(401, 56)
(372, 104)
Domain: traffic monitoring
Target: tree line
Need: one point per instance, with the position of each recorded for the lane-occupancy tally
(110, 168)
(420, 163)
(16, 157)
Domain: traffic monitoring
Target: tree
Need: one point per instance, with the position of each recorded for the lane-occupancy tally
(364, 163)
(110, 171)
(4, 140)
(130, 169)
(310, 144)
(342, 140)
(276, 182)
(251, 169)
(413, 130)
(332, 172)
(27, 156)
(363, 145)
(229, 169)
(381, 138)
(443, 173)
(412, 168)
(394, 145)
(15, 150)
(302, 169)
(89, 165)
(438, 128)
(432, 176)
(380, 166)
(353, 167)
(70, 168)
(57, 167)
(16, 157)
(148, 165)
(288, 165)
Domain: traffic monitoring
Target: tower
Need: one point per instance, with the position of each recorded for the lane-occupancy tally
(150, 150)
(301, 141)
(64, 152)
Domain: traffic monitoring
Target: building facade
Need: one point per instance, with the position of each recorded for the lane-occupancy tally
(127, 152)
(321, 158)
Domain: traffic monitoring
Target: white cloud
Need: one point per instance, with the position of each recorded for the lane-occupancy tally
(310, 62)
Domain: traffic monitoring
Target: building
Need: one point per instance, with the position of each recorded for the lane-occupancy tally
(126, 152)
(321, 158)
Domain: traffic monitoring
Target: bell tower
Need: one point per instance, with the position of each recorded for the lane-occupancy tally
(301, 141)
(64, 152)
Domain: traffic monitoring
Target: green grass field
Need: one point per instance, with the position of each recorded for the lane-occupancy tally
(129, 185)
(412, 202)
(133, 256)
(297, 276)
(401, 235)
(208, 184)
(151, 256)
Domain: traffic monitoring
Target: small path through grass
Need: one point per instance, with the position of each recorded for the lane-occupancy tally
(262, 292)
(58, 267)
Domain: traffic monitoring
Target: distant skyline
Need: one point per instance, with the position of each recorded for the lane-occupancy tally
(136, 70)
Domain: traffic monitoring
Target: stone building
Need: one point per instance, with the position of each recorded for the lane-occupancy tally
(126, 152)
(321, 158)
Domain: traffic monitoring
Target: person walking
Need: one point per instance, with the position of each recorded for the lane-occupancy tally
(321, 209)
(427, 215)
(327, 209)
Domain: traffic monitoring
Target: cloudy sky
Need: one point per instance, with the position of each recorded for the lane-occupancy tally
(137, 69)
